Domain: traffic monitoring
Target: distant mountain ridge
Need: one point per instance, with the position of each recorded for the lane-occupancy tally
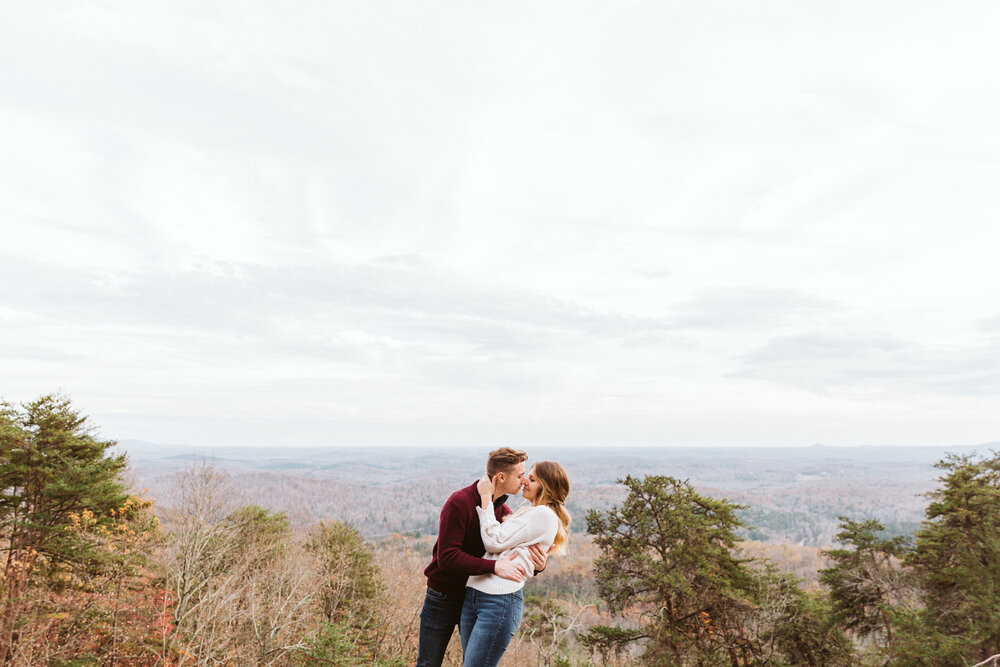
(793, 495)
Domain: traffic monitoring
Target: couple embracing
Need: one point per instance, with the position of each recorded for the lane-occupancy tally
(484, 553)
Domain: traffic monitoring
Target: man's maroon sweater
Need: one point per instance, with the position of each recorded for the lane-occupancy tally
(458, 539)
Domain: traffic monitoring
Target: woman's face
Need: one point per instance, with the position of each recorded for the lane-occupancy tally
(532, 487)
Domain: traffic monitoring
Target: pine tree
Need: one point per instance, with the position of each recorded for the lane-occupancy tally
(351, 591)
(668, 556)
(667, 553)
(866, 580)
(349, 576)
(957, 558)
(52, 469)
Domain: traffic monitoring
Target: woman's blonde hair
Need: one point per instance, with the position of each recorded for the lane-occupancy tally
(554, 483)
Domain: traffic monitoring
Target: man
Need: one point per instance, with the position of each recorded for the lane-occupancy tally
(458, 550)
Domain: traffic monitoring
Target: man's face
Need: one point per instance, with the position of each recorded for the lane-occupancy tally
(511, 483)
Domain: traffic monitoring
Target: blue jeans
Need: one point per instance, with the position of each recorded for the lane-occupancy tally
(438, 619)
(488, 624)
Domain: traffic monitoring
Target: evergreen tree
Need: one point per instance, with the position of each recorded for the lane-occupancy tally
(349, 577)
(667, 553)
(256, 535)
(351, 591)
(957, 558)
(668, 556)
(867, 581)
(790, 626)
(52, 469)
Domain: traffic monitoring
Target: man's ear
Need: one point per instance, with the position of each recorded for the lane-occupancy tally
(499, 478)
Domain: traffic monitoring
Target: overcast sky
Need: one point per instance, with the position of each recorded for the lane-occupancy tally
(538, 223)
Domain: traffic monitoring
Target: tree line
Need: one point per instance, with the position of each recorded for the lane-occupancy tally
(91, 576)
(96, 575)
(668, 565)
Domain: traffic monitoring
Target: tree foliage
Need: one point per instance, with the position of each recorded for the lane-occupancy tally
(241, 592)
(667, 554)
(936, 602)
(90, 578)
(866, 580)
(789, 626)
(350, 594)
(957, 561)
(348, 581)
(52, 470)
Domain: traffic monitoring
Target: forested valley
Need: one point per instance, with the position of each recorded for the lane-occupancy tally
(677, 557)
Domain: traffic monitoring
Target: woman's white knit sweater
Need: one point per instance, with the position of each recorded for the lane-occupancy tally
(534, 525)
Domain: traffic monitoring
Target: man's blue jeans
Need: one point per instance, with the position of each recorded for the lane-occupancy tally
(438, 619)
(488, 624)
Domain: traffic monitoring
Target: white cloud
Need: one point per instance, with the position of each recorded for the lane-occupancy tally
(641, 222)
(873, 365)
(770, 309)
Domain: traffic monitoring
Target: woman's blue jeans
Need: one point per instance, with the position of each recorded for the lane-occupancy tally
(487, 626)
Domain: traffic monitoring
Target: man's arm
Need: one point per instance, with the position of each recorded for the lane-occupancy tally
(451, 533)
(539, 557)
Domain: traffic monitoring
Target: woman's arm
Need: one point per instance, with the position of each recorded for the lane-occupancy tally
(485, 487)
(532, 527)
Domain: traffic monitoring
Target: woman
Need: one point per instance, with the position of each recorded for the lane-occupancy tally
(492, 609)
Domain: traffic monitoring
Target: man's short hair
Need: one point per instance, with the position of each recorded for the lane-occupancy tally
(503, 460)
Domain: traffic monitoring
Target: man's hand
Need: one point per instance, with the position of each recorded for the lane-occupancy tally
(538, 557)
(506, 569)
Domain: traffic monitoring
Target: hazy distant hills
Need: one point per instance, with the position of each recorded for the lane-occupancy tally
(792, 494)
